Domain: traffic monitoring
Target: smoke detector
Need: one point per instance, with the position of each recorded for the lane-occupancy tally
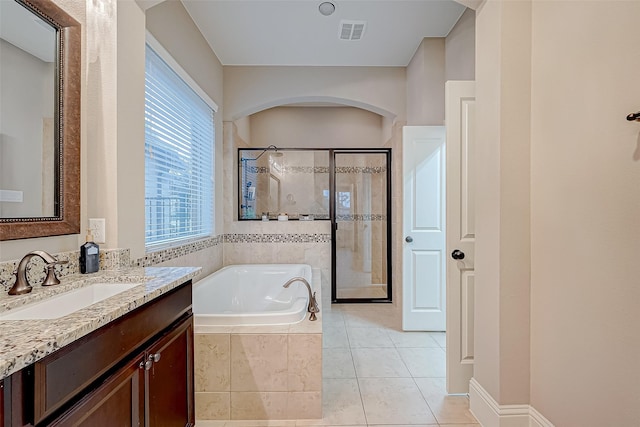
(327, 8)
(352, 30)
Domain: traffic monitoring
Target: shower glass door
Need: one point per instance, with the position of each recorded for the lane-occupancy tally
(361, 227)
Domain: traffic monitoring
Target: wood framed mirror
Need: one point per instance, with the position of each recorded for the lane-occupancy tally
(56, 165)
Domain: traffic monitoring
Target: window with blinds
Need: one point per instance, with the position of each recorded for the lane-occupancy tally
(179, 141)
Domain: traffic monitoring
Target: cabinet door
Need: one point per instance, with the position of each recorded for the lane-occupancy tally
(170, 379)
(118, 402)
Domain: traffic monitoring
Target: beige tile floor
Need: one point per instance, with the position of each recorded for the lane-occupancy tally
(377, 375)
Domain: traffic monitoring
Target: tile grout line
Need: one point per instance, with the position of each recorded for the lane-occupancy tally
(425, 400)
(353, 361)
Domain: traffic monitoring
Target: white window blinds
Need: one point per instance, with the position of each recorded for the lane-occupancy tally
(179, 140)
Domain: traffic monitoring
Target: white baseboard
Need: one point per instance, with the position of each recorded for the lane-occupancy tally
(537, 419)
(491, 414)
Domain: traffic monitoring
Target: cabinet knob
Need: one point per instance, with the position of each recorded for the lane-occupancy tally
(155, 357)
(408, 239)
(146, 365)
(457, 254)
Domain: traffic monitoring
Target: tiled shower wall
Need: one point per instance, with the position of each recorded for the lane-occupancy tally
(257, 242)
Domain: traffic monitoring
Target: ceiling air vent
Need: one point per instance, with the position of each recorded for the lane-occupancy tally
(352, 30)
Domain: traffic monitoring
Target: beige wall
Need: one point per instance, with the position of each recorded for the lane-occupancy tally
(130, 221)
(502, 200)
(537, 64)
(585, 209)
(460, 48)
(101, 165)
(243, 128)
(435, 61)
(252, 89)
(425, 84)
(316, 127)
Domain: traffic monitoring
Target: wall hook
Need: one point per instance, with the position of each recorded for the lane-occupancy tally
(634, 116)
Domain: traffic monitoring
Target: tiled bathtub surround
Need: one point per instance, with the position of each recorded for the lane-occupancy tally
(164, 255)
(258, 250)
(258, 376)
(110, 259)
(259, 372)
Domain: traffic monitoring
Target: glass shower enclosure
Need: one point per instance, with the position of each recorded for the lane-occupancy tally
(350, 187)
(361, 227)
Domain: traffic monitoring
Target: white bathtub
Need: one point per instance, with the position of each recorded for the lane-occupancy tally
(251, 294)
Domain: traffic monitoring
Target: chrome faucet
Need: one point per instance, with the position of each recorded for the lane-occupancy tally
(22, 285)
(313, 304)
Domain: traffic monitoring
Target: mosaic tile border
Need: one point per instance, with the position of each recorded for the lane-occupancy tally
(362, 217)
(290, 169)
(277, 238)
(361, 169)
(113, 259)
(157, 257)
(319, 169)
(162, 255)
(306, 169)
(110, 259)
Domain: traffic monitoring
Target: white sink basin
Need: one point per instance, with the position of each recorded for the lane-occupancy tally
(68, 302)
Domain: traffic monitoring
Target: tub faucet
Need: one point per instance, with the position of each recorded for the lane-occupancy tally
(22, 285)
(313, 304)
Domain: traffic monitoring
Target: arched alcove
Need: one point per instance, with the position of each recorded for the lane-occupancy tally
(315, 118)
(318, 101)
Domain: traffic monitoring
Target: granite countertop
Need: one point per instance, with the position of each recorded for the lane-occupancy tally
(23, 342)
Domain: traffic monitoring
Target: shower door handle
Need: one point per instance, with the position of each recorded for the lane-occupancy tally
(408, 239)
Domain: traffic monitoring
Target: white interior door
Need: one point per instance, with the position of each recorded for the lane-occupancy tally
(461, 235)
(424, 257)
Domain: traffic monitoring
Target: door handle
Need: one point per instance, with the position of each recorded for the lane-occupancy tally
(457, 254)
(408, 239)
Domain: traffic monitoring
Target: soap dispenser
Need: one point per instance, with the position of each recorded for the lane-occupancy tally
(89, 255)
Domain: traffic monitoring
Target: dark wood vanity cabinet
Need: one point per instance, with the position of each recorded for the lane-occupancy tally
(135, 371)
(169, 383)
(119, 401)
(155, 389)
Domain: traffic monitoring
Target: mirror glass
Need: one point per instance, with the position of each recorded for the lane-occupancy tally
(287, 181)
(41, 61)
(27, 114)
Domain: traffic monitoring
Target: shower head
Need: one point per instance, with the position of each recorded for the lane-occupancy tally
(271, 147)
